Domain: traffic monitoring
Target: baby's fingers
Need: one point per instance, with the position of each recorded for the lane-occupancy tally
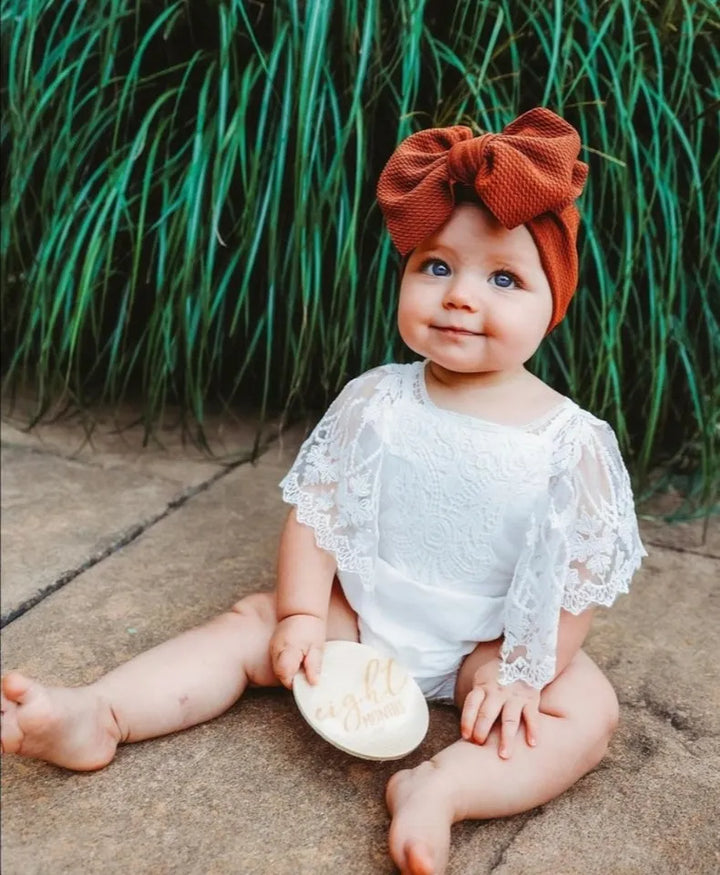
(472, 704)
(487, 715)
(509, 726)
(531, 715)
(287, 663)
(313, 663)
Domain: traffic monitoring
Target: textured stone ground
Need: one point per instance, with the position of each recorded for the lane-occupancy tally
(108, 548)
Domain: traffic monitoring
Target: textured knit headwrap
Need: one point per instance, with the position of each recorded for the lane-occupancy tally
(527, 175)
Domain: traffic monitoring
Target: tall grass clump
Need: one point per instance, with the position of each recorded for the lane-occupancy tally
(188, 199)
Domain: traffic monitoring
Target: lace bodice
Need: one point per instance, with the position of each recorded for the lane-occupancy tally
(541, 515)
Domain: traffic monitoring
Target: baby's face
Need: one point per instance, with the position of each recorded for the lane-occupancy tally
(474, 297)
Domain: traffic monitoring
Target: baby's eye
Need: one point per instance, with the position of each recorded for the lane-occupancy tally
(504, 279)
(435, 267)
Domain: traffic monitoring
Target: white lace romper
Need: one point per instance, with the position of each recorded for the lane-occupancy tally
(449, 530)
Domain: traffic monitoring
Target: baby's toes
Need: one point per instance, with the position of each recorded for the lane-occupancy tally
(420, 859)
(11, 734)
(15, 686)
(26, 711)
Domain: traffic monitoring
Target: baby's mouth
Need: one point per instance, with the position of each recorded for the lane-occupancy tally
(457, 329)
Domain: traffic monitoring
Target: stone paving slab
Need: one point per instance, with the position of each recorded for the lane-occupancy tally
(651, 805)
(112, 437)
(51, 526)
(95, 486)
(660, 645)
(649, 809)
(186, 568)
(700, 535)
(255, 791)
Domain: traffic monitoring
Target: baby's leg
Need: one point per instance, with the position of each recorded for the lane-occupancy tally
(184, 681)
(469, 781)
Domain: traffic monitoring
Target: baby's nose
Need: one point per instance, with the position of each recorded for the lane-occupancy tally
(462, 296)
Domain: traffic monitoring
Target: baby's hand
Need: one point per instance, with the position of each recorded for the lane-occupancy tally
(297, 643)
(488, 701)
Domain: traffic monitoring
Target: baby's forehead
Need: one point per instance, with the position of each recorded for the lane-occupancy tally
(472, 229)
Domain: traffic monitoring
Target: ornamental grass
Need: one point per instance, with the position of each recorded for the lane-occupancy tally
(188, 210)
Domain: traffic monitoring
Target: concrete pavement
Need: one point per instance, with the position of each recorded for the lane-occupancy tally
(108, 548)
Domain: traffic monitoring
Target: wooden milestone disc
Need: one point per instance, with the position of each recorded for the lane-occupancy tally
(364, 703)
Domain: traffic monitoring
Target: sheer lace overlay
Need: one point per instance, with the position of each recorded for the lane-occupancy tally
(582, 548)
(499, 527)
(335, 481)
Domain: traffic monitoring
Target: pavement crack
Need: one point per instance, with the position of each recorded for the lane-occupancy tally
(49, 451)
(126, 538)
(131, 534)
(695, 551)
(498, 857)
(680, 722)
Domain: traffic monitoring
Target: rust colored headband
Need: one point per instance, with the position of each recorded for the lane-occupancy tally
(527, 175)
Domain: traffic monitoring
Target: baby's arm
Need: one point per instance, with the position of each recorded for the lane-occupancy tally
(489, 701)
(304, 584)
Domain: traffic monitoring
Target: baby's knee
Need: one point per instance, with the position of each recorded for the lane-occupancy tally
(605, 719)
(258, 608)
(592, 705)
(608, 708)
(613, 714)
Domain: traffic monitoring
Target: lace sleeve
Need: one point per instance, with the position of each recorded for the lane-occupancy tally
(582, 549)
(604, 544)
(334, 481)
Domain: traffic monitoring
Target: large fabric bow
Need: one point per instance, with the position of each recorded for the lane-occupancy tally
(527, 175)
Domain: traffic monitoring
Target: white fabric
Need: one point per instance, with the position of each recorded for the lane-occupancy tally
(440, 689)
(449, 530)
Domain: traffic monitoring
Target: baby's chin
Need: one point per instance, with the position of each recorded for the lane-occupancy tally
(457, 363)
(469, 369)
(448, 363)
(451, 368)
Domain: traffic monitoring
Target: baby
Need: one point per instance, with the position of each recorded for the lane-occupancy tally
(457, 514)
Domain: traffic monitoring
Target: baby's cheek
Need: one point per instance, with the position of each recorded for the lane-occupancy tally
(409, 326)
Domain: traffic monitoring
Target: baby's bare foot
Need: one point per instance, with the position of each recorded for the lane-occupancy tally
(422, 814)
(71, 727)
